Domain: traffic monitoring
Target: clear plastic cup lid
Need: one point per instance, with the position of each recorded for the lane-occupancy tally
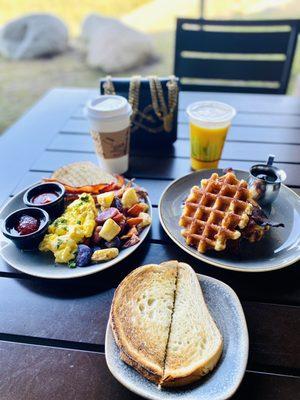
(211, 113)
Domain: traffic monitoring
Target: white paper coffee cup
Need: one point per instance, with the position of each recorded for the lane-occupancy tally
(109, 120)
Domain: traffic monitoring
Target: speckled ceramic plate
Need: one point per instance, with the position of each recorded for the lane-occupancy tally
(224, 380)
(279, 248)
(42, 264)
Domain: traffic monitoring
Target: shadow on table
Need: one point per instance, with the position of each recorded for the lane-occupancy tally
(86, 286)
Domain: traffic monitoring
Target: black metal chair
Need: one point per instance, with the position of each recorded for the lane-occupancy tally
(235, 56)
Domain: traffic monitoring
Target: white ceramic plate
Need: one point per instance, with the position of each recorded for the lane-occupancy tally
(224, 380)
(279, 248)
(42, 264)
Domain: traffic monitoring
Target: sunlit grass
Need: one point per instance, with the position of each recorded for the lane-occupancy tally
(71, 11)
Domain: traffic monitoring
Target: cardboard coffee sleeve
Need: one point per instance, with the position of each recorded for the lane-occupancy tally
(110, 145)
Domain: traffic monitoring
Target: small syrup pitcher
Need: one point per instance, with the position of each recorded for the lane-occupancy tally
(265, 181)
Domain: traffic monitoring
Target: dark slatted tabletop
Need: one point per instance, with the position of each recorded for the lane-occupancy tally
(52, 332)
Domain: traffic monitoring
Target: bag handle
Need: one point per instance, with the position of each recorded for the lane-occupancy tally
(108, 86)
(134, 93)
(162, 111)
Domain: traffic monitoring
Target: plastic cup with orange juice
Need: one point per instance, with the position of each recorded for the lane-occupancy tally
(209, 123)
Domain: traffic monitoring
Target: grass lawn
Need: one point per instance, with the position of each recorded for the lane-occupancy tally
(22, 83)
(71, 11)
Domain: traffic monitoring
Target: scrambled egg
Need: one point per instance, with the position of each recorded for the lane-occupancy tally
(75, 224)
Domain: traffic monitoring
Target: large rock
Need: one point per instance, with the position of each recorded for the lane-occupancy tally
(113, 46)
(32, 36)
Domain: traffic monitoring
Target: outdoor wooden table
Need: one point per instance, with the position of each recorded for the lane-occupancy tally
(52, 332)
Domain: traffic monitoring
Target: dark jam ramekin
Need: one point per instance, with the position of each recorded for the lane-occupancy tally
(32, 240)
(56, 207)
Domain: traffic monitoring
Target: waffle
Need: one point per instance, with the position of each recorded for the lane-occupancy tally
(254, 232)
(215, 212)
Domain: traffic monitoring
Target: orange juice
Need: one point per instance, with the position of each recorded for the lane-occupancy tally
(209, 124)
(206, 146)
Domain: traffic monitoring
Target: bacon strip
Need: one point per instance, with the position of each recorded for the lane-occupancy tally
(92, 189)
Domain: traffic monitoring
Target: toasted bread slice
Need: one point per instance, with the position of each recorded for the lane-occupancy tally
(82, 173)
(195, 343)
(141, 316)
(162, 325)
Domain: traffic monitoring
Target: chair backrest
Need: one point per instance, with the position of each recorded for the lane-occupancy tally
(235, 56)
